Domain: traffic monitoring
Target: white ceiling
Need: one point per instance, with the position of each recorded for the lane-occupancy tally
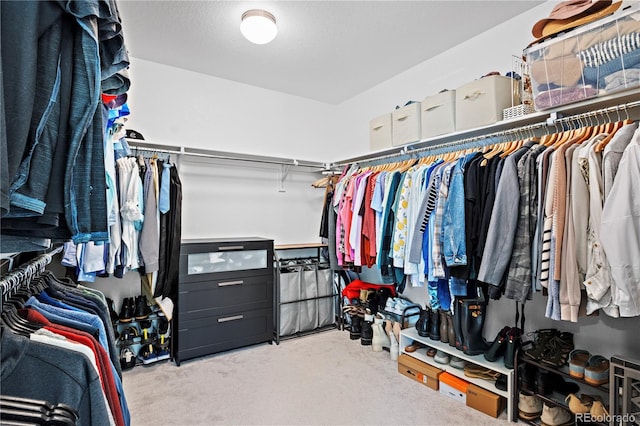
(325, 50)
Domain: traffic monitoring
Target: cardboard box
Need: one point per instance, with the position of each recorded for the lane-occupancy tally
(419, 371)
(485, 401)
(453, 387)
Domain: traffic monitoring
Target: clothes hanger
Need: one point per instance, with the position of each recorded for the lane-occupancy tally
(614, 128)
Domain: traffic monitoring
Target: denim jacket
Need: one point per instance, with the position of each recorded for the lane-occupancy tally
(453, 223)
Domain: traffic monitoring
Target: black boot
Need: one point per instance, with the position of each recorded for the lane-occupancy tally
(457, 324)
(367, 333)
(355, 330)
(499, 345)
(434, 325)
(422, 325)
(472, 318)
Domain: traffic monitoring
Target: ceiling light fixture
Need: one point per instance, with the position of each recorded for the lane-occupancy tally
(258, 26)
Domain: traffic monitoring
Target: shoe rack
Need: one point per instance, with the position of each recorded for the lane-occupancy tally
(555, 398)
(410, 335)
(147, 332)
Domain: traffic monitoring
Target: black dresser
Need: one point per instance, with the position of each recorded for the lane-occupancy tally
(225, 298)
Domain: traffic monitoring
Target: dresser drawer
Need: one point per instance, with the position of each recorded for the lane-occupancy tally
(217, 297)
(224, 332)
(215, 259)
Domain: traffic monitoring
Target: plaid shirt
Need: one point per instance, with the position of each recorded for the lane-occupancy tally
(518, 284)
(438, 264)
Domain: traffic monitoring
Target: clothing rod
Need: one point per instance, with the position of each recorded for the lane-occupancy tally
(27, 270)
(223, 155)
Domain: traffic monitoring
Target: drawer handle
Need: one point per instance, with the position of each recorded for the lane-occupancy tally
(233, 318)
(231, 248)
(228, 283)
(404, 117)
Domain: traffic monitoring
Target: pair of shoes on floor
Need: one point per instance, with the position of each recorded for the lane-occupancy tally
(531, 407)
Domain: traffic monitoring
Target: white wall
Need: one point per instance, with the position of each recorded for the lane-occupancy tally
(174, 106)
(235, 199)
(489, 51)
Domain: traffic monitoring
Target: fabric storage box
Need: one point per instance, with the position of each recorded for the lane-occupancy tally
(290, 285)
(405, 124)
(326, 305)
(485, 401)
(380, 135)
(482, 101)
(438, 114)
(598, 58)
(419, 371)
(453, 387)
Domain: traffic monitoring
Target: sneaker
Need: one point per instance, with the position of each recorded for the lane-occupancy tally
(148, 336)
(147, 354)
(458, 363)
(163, 326)
(441, 357)
(128, 335)
(162, 348)
(529, 407)
(127, 359)
(390, 305)
(555, 416)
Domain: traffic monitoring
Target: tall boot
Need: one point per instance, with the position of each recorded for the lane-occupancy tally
(472, 318)
(434, 326)
(366, 336)
(355, 330)
(444, 334)
(457, 324)
(451, 330)
(422, 325)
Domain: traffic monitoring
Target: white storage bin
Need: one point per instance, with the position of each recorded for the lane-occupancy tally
(482, 101)
(439, 114)
(406, 124)
(380, 134)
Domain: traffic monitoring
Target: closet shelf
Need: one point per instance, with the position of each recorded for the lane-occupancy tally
(225, 155)
(537, 121)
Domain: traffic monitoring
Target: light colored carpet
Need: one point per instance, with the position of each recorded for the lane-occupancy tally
(319, 379)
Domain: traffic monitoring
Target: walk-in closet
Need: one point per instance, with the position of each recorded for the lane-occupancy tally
(353, 213)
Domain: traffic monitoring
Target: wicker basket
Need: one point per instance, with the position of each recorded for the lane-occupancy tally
(517, 111)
